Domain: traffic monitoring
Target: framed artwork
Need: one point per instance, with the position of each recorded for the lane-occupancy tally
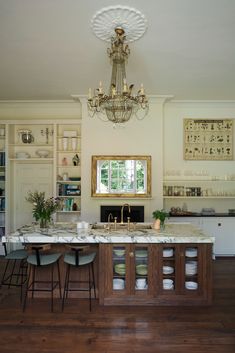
(208, 139)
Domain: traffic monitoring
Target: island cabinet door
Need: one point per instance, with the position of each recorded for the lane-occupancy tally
(125, 274)
(184, 275)
(195, 277)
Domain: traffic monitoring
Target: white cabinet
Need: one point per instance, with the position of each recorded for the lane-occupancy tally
(223, 229)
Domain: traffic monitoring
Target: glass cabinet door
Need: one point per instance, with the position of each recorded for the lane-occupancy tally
(191, 273)
(168, 268)
(119, 267)
(141, 268)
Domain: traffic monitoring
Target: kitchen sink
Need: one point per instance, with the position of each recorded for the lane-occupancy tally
(119, 226)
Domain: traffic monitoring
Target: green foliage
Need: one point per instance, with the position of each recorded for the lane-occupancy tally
(160, 214)
(43, 208)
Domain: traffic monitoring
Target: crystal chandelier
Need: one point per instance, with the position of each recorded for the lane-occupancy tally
(120, 104)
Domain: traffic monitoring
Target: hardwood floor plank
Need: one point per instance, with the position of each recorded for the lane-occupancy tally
(121, 329)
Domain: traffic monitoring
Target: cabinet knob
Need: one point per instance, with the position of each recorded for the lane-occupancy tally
(131, 254)
(219, 224)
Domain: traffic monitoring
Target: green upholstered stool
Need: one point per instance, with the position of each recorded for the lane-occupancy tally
(15, 272)
(40, 258)
(78, 257)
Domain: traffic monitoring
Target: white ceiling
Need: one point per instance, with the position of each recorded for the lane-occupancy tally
(48, 50)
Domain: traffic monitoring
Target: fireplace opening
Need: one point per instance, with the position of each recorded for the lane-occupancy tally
(136, 215)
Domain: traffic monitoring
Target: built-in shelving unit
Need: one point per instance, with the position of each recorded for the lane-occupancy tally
(2, 183)
(68, 169)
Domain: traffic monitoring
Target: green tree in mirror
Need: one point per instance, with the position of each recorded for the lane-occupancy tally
(43, 208)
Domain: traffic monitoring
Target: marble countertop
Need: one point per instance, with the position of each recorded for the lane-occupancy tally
(68, 233)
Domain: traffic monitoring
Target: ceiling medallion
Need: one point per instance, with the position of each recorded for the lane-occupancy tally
(120, 104)
(132, 21)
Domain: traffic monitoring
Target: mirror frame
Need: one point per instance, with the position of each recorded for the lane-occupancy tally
(97, 158)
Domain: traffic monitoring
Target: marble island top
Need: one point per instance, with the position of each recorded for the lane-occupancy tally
(68, 233)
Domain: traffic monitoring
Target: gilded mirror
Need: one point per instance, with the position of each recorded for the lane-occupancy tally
(121, 176)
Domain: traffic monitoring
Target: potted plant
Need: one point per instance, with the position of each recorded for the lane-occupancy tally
(159, 216)
(43, 208)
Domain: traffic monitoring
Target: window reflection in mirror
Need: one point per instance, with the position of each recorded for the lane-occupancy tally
(121, 176)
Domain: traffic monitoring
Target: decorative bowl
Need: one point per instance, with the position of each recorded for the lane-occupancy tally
(42, 153)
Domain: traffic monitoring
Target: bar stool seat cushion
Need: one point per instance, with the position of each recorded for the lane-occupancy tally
(83, 259)
(20, 254)
(44, 259)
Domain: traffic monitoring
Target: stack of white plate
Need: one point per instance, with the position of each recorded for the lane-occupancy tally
(22, 155)
(167, 270)
(191, 252)
(118, 283)
(191, 267)
(168, 252)
(191, 285)
(168, 284)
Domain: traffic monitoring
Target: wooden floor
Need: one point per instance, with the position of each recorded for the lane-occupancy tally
(122, 329)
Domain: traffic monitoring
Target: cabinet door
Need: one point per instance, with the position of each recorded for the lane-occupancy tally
(223, 231)
(125, 273)
(168, 268)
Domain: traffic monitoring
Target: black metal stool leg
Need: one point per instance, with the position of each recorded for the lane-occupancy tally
(52, 287)
(11, 275)
(65, 286)
(5, 271)
(58, 269)
(33, 281)
(27, 287)
(93, 278)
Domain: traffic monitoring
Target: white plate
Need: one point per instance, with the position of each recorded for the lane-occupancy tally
(168, 252)
(167, 270)
(141, 253)
(191, 285)
(191, 252)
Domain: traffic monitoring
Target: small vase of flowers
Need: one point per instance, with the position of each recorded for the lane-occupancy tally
(43, 208)
(159, 216)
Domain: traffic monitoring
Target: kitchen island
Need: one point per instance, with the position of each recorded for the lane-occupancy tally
(142, 266)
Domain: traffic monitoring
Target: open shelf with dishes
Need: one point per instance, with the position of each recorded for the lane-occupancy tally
(31, 142)
(68, 169)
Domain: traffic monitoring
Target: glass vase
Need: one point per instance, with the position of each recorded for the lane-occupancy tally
(44, 223)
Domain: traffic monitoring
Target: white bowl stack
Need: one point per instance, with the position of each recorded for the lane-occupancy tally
(191, 252)
(191, 268)
(168, 252)
(191, 285)
(118, 283)
(168, 284)
(167, 270)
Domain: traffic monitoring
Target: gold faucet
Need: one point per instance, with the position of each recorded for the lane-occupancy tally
(110, 216)
(129, 210)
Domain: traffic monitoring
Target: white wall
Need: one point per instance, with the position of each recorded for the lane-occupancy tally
(144, 137)
(174, 113)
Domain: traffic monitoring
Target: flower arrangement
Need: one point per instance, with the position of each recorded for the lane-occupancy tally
(161, 215)
(43, 208)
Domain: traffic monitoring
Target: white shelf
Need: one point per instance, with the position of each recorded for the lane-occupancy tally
(199, 197)
(68, 211)
(68, 181)
(31, 159)
(61, 136)
(196, 180)
(68, 166)
(65, 151)
(30, 145)
(69, 196)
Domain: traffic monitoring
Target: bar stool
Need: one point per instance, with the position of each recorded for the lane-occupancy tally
(37, 259)
(17, 264)
(79, 257)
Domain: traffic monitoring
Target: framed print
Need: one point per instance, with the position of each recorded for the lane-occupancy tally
(208, 139)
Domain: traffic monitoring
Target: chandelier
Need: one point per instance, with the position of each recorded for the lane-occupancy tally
(120, 104)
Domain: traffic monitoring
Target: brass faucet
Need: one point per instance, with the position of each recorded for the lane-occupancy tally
(110, 216)
(129, 210)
